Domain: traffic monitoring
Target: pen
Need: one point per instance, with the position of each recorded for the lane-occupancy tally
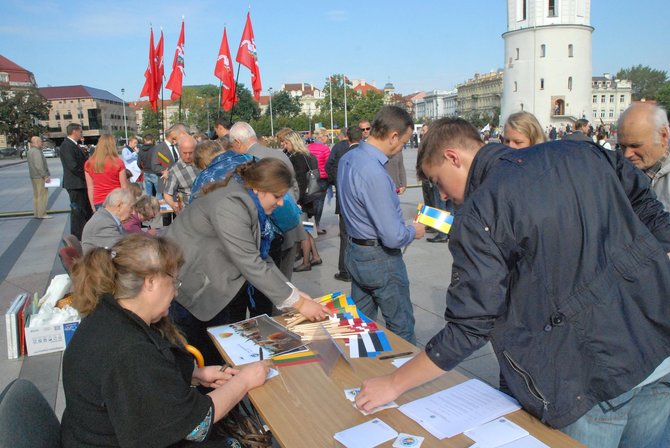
(260, 352)
(223, 367)
(397, 355)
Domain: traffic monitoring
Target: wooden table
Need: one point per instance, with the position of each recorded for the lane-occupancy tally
(314, 408)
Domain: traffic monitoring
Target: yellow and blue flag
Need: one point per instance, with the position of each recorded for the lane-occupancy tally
(434, 217)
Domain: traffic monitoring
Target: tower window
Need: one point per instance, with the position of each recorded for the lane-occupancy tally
(570, 83)
(517, 54)
(570, 51)
(553, 12)
(541, 83)
(543, 50)
(521, 9)
(515, 86)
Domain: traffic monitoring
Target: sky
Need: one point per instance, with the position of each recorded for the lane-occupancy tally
(423, 45)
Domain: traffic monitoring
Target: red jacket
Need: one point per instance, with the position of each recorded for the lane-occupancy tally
(321, 152)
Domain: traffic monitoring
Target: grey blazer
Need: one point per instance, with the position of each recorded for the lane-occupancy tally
(220, 238)
(260, 152)
(101, 230)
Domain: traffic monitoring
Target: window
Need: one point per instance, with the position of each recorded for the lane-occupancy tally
(611, 113)
(602, 98)
(57, 117)
(595, 99)
(570, 51)
(543, 50)
(602, 114)
(552, 9)
(622, 98)
(611, 98)
(517, 54)
(541, 83)
(515, 86)
(570, 83)
(4, 77)
(521, 9)
(595, 113)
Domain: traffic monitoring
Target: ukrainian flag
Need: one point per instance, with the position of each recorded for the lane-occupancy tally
(435, 218)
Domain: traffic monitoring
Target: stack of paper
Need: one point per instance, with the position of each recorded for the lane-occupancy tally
(366, 435)
(459, 408)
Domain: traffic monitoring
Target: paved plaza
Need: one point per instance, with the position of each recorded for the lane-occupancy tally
(28, 259)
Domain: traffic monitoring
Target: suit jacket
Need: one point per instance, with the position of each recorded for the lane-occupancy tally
(396, 169)
(578, 136)
(260, 152)
(162, 158)
(73, 158)
(219, 235)
(101, 230)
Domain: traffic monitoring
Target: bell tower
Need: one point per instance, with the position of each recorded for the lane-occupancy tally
(548, 60)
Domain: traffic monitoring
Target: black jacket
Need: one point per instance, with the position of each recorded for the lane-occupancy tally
(73, 159)
(560, 260)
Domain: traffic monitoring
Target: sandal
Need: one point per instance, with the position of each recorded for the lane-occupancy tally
(302, 268)
(316, 263)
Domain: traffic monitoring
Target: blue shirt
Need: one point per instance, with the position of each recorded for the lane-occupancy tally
(218, 169)
(368, 199)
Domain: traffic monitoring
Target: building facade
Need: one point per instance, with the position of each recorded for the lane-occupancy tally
(548, 60)
(13, 77)
(307, 94)
(96, 110)
(436, 104)
(480, 97)
(609, 98)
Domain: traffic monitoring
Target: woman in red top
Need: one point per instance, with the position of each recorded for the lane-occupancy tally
(321, 151)
(104, 171)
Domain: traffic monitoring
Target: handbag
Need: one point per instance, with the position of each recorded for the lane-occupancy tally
(245, 425)
(287, 216)
(314, 188)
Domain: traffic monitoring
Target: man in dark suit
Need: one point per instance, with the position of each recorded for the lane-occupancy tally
(166, 153)
(73, 158)
(581, 132)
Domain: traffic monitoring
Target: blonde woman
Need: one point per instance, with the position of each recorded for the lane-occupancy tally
(303, 161)
(104, 172)
(523, 130)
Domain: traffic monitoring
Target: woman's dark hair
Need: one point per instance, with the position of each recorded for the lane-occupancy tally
(269, 175)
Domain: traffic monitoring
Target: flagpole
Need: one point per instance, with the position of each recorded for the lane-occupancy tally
(180, 108)
(330, 81)
(344, 81)
(218, 110)
(232, 109)
(162, 110)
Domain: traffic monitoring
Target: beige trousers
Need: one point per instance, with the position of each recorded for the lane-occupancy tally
(39, 197)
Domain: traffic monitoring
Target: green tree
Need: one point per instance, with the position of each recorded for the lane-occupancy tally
(367, 106)
(247, 108)
(646, 80)
(337, 83)
(151, 122)
(283, 104)
(20, 111)
(663, 96)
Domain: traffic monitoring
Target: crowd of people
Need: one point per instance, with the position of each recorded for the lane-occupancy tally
(560, 259)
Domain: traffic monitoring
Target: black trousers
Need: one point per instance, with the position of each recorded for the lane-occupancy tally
(428, 195)
(343, 244)
(80, 211)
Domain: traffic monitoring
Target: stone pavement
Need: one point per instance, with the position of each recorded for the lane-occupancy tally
(28, 259)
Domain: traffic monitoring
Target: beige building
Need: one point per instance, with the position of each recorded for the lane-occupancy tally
(307, 94)
(170, 117)
(480, 97)
(96, 110)
(610, 97)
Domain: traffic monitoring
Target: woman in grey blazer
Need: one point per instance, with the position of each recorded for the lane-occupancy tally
(225, 236)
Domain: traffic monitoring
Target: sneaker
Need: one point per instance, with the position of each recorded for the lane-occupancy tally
(343, 276)
(430, 230)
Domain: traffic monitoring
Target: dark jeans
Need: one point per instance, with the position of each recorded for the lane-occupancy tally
(428, 194)
(447, 205)
(379, 281)
(80, 211)
(341, 265)
(151, 185)
(319, 203)
(196, 330)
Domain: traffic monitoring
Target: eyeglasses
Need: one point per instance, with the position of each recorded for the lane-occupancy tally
(364, 129)
(175, 281)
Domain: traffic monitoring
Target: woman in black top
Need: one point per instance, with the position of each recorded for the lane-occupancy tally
(126, 375)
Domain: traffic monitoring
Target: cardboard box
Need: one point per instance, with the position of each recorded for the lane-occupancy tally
(49, 338)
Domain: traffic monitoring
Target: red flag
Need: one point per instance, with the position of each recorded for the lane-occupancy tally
(149, 89)
(177, 75)
(224, 72)
(160, 68)
(246, 55)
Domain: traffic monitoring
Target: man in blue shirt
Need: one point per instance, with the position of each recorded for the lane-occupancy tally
(375, 224)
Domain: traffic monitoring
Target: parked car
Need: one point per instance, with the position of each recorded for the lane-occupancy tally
(50, 152)
(8, 152)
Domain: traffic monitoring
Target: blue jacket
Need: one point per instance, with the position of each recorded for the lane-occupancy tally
(560, 260)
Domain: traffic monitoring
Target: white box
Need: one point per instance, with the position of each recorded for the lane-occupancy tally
(49, 338)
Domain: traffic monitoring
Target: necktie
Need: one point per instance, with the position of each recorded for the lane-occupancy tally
(175, 153)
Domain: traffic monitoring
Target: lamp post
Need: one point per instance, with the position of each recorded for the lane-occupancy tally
(272, 125)
(125, 123)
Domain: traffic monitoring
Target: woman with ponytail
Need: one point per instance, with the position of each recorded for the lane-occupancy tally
(226, 236)
(126, 374)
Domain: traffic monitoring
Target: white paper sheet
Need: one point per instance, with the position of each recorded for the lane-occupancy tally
(399, 362)
(459, 408)
(525, 442)
(495, 433)
(366, 435)
(53, 182)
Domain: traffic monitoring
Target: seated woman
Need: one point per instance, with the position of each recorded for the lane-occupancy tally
(126, 375)
(146, 208)
(225, 235)
(522, 130)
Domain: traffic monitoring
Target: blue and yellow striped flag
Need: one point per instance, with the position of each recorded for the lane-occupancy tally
(435, 218)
